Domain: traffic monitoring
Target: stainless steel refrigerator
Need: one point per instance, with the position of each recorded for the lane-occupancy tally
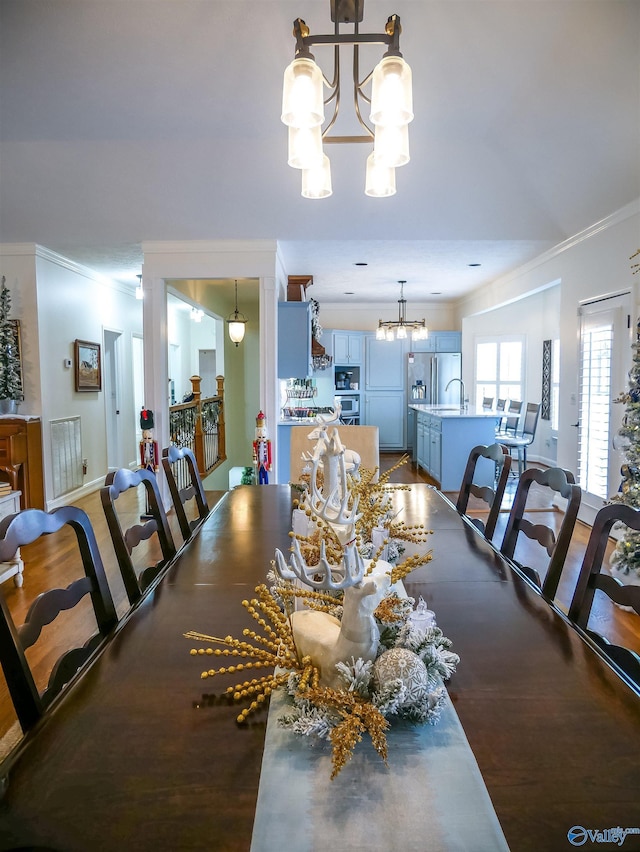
(428, 374)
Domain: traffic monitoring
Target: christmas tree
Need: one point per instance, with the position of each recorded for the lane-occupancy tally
(10, 371)
(626, 556)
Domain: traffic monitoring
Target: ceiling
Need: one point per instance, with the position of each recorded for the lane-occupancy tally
(123, 122)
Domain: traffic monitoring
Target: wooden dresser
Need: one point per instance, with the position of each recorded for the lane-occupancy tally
(21, 458)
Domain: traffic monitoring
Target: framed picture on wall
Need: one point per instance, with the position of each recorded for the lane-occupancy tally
(88, 366)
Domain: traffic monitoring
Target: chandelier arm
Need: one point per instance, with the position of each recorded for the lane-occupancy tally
(335, 95)
(357, 91)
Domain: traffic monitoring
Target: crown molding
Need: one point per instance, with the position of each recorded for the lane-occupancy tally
(615, 218)
(208, 246)
(34, 251)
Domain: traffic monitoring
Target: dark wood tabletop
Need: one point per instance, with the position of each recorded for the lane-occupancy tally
(141, 754)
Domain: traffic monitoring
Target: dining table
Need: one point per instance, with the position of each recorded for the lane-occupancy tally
(141, 753)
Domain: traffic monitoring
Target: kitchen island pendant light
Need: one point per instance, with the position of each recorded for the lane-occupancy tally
(397, 329)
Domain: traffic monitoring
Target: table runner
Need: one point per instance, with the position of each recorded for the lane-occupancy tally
(430, 797)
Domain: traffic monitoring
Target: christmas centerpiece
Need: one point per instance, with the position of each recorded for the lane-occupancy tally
(336, 628)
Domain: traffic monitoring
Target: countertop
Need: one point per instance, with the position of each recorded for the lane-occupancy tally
(453, 411)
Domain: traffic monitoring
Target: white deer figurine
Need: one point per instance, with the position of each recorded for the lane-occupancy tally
(329, 641)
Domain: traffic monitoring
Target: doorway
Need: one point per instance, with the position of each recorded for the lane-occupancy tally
(112, 398)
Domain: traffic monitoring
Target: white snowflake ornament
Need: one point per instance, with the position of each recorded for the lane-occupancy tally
(402, 664)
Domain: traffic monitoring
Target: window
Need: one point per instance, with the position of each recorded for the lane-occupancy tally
(500, 368)
(595, 399)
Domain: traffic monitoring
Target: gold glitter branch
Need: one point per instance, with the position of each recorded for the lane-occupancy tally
(358, 715)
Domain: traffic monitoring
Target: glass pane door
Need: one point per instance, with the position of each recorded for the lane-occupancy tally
(604, 348)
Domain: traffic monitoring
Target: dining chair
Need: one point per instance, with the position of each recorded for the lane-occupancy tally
(509, 423)
(521, 440)
(181, 469)
(492, 496)
(155, 522)
(591, 579)
(562, 482)
(20, 530)
(487, 402)
(500, 408)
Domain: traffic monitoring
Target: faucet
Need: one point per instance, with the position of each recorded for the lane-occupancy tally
(463, 398)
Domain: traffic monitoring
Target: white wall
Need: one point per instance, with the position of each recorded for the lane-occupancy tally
(364, 316)
(537, 318)
(76, 304)
(594, 263)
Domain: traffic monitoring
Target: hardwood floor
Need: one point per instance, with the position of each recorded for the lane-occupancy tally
(52, 562)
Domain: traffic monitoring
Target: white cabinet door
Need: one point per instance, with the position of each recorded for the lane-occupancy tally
(386, 411)
(385, 367)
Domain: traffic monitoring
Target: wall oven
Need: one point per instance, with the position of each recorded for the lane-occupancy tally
(350, 408)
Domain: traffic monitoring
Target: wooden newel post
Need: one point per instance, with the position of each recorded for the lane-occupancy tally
(199, 432)
(222, 447)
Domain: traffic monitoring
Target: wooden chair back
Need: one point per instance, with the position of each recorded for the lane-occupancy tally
(181, 469)
(363, 439)
(591, 579)
(154, 522)
(563, 483)
(22, 529)
(501, 460)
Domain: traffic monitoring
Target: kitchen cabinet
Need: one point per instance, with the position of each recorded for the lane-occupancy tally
(445, 437)
(347, 348)
(385, 367)
(386, 411)
(294, 340)
(448, 341)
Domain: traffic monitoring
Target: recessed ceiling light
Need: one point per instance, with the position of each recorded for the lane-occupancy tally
(348, 293)
(475, 264)
(360, 263)
(436, 292)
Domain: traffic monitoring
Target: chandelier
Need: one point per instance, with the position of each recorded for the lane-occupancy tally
(390, 104)
(392, 329)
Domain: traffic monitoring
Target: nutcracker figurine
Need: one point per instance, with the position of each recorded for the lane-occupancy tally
(262, 450)
(148, 447)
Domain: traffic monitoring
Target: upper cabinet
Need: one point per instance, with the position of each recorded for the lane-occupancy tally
(347, 348)
(294, 340)
(448, 341)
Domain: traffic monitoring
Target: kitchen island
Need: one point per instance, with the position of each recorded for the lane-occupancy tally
(443, 438)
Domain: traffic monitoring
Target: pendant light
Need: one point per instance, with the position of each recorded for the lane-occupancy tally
(237, 322)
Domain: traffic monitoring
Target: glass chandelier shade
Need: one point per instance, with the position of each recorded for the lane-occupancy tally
(305, 147)
(380, 181)
(316, 182)
(391, 145)
(391, 92)
(302, 96)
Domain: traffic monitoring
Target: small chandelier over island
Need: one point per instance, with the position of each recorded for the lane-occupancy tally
(397, 329)
(391, 103)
